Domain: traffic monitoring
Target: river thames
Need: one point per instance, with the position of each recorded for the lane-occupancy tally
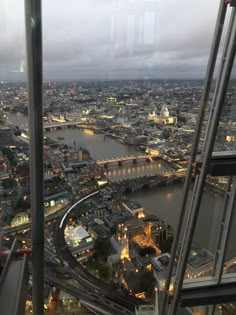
(163, 201)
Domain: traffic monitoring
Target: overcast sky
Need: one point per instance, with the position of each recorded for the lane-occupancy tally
(108, 39)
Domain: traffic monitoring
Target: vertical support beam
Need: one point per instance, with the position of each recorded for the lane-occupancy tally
(8, 260)
(33, 22)
(217, 103)
(203, 104)
(226, 230)
(211, 310)
(221, 227)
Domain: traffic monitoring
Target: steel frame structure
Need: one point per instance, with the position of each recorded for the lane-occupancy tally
(33, 23)
(33, 19)
(217, 104)
(14, 279)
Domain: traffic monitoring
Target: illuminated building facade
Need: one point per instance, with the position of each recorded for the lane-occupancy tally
(160, 231)
(123, 242)
(111, 100)
(164, 118)
(124, 248)
(19, 219)
(134, 208)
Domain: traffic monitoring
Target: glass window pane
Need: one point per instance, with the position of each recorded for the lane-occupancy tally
(123, 83)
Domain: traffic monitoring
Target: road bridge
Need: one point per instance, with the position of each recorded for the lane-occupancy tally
(148, 181)
(164, 176)
(69, 124)
(59, 125)
(120, 160)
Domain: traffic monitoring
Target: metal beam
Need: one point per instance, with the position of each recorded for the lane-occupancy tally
(8, 260)
(225, 293)
(223, 238)
(223, 164)
(217, 104)
(14, 280)
(204, 101)
(33, 22)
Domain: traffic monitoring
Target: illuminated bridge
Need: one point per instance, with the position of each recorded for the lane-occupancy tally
(121, 159)
(71, 124)
(59, 125)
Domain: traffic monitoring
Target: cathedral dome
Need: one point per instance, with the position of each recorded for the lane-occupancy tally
(164, 112)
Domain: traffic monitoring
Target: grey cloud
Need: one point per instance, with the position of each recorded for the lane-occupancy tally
(103, 38)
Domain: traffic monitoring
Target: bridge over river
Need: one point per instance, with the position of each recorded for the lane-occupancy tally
(120, 160)
(148, 181)
(69, 124)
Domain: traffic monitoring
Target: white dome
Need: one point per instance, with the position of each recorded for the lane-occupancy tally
(153, 112)
(164, 111)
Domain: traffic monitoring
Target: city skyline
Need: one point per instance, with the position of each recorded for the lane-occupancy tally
(117, 162)
(112, 44)
(131, 160)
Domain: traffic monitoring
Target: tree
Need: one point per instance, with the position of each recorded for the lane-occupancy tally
(8, 183)
(13, 163)
(22, 204)
(147, 251)
(102, 247)
(113, 230)
(147, 282)
(17, 132)
(103, 271)
(165, 245)
(9, 153)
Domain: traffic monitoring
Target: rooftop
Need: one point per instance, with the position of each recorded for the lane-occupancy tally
(199, 256)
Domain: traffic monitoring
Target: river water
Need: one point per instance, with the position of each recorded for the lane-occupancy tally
(163, 201)
(102, 148)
